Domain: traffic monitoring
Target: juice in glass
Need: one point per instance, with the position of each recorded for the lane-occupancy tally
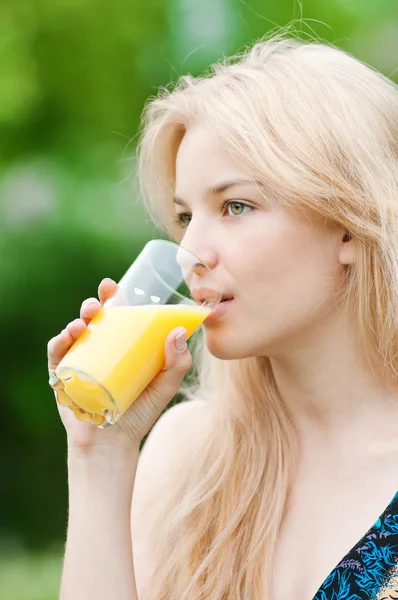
(117, 356)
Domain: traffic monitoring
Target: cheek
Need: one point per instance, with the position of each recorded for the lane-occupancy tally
(286, 278)
(295, 260)
(290, 280)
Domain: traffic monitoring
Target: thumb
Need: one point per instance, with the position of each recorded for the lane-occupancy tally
(147, 408)
(176, 351)
(178, 361)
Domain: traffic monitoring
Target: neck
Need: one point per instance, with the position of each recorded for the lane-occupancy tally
(330, 391)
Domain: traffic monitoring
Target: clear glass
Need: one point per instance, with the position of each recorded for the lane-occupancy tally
(122, 348)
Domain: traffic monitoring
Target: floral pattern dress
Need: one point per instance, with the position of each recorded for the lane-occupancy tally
(370, 570)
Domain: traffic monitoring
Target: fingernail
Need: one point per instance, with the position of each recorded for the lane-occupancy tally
(180, 341)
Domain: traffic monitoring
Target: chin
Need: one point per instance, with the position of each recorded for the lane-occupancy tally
(234, 343)
(226, 348)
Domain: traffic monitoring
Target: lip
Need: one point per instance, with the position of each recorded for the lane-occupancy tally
(203, 294)
(219, 310)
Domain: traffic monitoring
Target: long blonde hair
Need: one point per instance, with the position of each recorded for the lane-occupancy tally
(320, 128)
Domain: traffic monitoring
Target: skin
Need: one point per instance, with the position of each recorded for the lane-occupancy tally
(102, 468)
(282, 266)
(285, 270)
(129, 431)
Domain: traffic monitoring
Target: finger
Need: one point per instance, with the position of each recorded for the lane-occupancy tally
(76, 328)
(147, 408)
(89, 309)
(106, 289)
(178, 362)
(176, 352)
(59, 345)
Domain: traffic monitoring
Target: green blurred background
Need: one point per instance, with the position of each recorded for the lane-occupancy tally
(74, 76)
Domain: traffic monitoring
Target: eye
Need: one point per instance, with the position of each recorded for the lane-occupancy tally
(184, 219)
(238, 206)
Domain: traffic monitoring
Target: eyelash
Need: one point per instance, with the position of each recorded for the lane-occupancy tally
(179, 220)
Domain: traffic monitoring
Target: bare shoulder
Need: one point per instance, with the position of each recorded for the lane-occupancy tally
(166, 443)
(170, 443)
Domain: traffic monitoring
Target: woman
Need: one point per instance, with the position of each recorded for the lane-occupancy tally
(277, 479)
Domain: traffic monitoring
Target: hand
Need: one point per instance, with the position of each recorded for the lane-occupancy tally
(145, 410)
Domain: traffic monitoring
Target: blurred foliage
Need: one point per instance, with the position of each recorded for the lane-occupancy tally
(74, 77)
(28, 576)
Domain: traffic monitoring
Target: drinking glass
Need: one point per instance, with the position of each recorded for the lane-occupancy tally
(122, 348)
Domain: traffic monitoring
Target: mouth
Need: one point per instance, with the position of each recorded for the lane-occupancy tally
(207, 295)
(219, 310)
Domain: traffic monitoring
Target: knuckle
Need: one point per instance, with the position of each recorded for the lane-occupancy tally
(88, 301)
(73, 323)
(185, 363)
(107, 281)
(51, 344)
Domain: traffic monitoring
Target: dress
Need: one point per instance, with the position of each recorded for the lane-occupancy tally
(370, 569)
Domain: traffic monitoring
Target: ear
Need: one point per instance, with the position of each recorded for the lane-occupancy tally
(347, 251)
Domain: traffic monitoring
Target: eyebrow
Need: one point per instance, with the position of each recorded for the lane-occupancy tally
(220, 188)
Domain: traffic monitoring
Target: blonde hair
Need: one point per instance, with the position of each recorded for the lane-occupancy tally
(320, 128)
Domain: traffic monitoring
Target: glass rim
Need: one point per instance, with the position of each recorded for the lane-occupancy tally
(187, 299)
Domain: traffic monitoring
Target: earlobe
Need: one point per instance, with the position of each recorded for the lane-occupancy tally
(347, 254)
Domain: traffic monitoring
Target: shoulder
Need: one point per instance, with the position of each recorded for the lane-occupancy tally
(171, 444)
(181, 423)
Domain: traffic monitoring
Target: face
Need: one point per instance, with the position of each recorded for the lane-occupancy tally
(281, 266)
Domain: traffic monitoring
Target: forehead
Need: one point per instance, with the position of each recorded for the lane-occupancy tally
(201, 161)
(202, 165)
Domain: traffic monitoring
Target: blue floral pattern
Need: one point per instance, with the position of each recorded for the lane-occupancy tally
(370, 570)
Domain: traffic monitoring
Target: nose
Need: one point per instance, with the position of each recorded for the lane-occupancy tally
(196, 262)
(199, 242)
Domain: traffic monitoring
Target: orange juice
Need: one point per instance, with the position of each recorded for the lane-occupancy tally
(117, 356)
